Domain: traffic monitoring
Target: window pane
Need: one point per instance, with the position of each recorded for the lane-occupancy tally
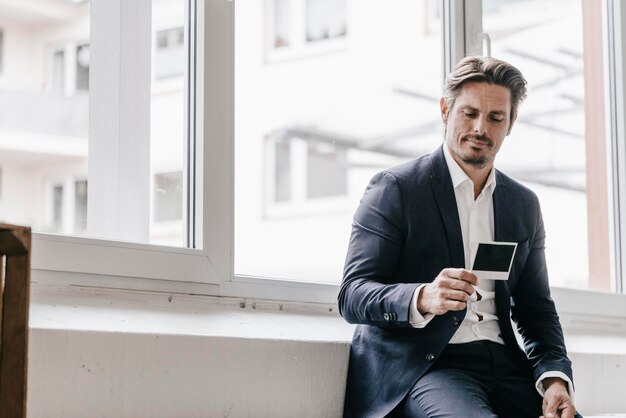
(80, 205)
(167, 122)
(327, 171)
(311, 129)
(558, 145)
(283, 171)
(57, 207)
(325, 19)
(282, 27)
(169, 58)
(44, 115)
(82, 67)
(1, 50)
(168, 194)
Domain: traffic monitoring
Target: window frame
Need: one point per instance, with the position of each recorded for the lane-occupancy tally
(210, 270)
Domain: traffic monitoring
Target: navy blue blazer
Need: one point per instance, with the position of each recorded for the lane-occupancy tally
(405, 231)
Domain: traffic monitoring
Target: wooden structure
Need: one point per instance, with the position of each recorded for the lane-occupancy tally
(15, 244)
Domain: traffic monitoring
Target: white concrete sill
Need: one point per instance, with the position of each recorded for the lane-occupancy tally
(132, 353)
(105, 353)
(89, 309)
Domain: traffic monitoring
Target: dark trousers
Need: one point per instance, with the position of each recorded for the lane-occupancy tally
(478, 379)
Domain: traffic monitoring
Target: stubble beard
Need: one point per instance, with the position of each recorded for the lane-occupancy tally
(478, 161)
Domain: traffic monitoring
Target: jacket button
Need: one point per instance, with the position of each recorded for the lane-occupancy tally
(386, 316)
(455, 321)
(430, 357)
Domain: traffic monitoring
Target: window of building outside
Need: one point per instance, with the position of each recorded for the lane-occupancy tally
(301, 26)
(45, 91)
(169, 58)
(82, 67)
(57, 82)
(168, 191)
(57, 207)
(558, 144)
(1, 50)
(325, 19)
(311, 132)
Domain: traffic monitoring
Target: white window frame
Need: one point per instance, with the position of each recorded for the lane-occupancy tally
(210, 271)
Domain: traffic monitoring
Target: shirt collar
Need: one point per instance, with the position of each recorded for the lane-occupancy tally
(458, 175)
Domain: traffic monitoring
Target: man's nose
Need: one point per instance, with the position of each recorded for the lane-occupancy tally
(480, 126)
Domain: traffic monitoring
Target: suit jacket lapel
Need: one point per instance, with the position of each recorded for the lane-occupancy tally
(503, 220)
(504, 230)
(446, 202)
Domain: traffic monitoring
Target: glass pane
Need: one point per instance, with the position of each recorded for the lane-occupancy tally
(551, 149)
(167, 122)
(82, 67)
(80, 205)
(313, 128)
(44, 115)
(282, 14)
(168, 195)
(325, 19)
(1, 50)
(57, 207)
(283, 171)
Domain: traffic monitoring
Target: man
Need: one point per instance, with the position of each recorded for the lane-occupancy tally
(433, 340)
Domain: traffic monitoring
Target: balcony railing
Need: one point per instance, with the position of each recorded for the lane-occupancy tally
(44, 113)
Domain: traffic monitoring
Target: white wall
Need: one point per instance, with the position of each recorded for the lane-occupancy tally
(101, 374)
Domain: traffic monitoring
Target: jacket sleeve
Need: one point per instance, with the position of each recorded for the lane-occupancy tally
(369, 294)
(535, 313)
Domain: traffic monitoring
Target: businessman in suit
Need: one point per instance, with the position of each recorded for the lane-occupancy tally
(433, 340)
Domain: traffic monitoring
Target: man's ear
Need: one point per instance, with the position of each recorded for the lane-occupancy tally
(513, 119)
(443, 105)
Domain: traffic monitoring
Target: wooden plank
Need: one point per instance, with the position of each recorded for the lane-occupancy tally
(14, 343)
(2, 276)
(11, 242)
(15, 244)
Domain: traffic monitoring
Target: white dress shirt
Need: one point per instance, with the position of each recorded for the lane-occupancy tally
(477, 224)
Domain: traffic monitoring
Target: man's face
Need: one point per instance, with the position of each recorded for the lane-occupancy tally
(477, 123)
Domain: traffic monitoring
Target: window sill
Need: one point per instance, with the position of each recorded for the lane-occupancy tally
(102, 310)
(166, 313)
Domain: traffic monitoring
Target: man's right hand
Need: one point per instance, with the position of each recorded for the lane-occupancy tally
(450, 291)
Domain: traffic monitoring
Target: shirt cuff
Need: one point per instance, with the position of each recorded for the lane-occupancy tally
(416, 319)
(541, 390)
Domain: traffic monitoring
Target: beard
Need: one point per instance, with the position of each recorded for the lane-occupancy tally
(476, 160)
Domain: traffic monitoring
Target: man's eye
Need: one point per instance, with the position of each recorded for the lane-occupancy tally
(498, 120)
(470, 114)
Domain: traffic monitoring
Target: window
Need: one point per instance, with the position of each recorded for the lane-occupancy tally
(1, 51)
(168, 192)
(304, 135)
(58, 72)
(282, 173)
(169, 59)
(558, 145)
(80, 205)
(282, 27)
(57, 208)
(82, 67)
(310, 133)
(327, 171)
(90, 76)
(297, 27)
(325, 19)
